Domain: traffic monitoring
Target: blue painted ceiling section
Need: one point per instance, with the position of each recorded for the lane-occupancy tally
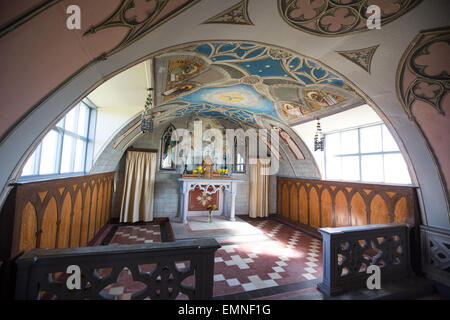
(239, 97)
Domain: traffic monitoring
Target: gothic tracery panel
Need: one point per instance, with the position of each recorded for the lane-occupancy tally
(339, 17)
(423, 83)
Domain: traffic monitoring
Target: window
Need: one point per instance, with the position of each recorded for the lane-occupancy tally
(65, 149)
(367, 154)
(239, 157)
(168, 149)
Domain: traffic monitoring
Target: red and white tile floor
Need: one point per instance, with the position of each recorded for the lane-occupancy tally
(292, 256)
(288, 256)
(137, 234)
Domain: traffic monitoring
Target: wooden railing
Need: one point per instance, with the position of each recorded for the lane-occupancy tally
(348, 252)
(317, 204)
(42, 274)
(60, 213)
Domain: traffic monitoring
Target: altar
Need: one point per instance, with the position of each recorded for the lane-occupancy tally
(208, 187)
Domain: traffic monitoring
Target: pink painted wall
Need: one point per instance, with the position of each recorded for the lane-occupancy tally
(42, 53)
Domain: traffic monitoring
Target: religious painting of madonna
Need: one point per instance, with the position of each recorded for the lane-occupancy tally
(168, 150)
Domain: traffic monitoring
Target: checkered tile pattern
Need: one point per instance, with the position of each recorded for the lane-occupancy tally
(289, 256)
(137, 234)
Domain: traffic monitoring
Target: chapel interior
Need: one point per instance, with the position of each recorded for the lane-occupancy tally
(207, 149)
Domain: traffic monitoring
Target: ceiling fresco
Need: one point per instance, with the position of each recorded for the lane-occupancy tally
(338, 17)
(246, 82)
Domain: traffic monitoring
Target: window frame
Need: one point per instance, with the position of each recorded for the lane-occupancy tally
(60, 130)
(235, 156)
(360, 154)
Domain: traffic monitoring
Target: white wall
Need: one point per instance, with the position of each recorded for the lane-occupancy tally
(110, 121)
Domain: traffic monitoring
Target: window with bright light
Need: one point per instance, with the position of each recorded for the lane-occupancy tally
(65, 149)
(239, 160)
(367, 154)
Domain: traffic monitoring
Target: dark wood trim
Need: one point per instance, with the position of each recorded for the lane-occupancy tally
(298, 226)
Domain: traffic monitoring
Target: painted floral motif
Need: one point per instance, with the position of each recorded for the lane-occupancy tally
(204, 199)
(140, 17)
(427, 64)
(339, 17)
(434, 61)
(139, 10)
(423, 84)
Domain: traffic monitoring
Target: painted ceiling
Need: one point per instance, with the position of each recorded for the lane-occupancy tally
(245, 82)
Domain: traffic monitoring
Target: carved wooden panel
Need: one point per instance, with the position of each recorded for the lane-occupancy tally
(316, 203)
(61, 213)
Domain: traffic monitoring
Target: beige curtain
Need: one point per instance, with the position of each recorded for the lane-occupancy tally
(138, 190)
(259, 188)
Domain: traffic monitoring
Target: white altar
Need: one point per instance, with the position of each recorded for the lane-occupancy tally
(209, 186)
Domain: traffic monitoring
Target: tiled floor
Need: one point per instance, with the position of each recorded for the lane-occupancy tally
(286, 260)
(137, 234)
(290, 257)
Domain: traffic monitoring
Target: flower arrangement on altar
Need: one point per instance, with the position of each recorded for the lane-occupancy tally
(222, 172)
(211, 208)
(199, 170)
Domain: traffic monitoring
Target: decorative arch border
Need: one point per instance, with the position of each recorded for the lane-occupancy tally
(16, 171)
(355, 9)
(408, 96)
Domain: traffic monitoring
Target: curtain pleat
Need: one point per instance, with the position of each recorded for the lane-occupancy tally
(138, 191)
(259, 188)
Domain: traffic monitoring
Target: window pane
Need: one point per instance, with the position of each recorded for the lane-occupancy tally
(67, 153)
(28, 169)
(350, 168)
(372, 168)
(60, 123)
(49, 153)
(395, 169)
(71, 119)
(79, 156)
(371, 139)
(82, 120)
(333, 144)
(333, 168)
(389, 143)
(349, 142)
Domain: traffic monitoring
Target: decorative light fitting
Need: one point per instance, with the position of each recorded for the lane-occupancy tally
(319, 139)
(146, 117)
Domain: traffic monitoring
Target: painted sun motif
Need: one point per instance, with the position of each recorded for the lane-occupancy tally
(231, 97)
(204, 198)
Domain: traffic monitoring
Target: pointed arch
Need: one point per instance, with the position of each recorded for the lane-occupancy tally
(167, 159)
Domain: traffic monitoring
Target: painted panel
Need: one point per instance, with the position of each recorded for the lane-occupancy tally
(48, 235)
(28, 229)
(378, 211)
(76, 221)
(358, 210)
(64, 226)
(341, 210)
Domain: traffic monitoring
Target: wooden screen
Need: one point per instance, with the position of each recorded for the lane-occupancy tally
(61, 213)
(318, 204)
